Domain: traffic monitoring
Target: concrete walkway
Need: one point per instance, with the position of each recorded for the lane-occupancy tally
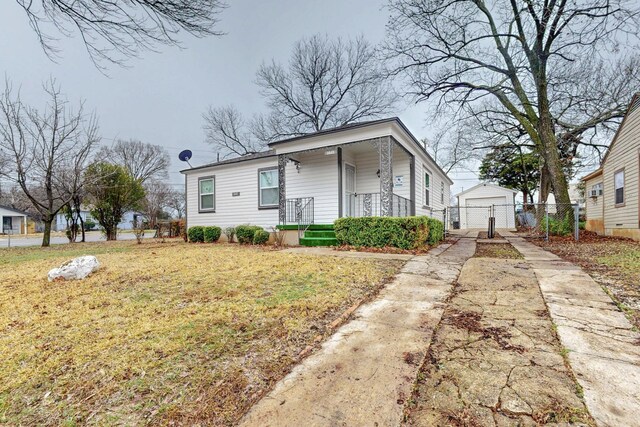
(364, 373)
(604, 350)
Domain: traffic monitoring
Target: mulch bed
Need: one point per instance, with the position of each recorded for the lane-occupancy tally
(485, 235)
(497, 250)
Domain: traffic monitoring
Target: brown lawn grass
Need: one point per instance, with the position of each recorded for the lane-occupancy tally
(163, 333)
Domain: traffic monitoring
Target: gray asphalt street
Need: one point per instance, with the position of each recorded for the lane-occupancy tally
(93, 236)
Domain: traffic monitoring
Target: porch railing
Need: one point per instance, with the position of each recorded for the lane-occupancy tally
(368, 204)
(300, 211)
(401, 206)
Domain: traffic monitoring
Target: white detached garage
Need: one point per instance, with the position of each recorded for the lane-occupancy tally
(478, 203)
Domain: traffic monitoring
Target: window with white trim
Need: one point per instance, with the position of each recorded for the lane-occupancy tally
(618, 183)
(596, 190)
(268, 188)
(442, 192)
(427, 188)
(207, 193)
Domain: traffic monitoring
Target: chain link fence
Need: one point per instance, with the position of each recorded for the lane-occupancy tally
(536, 220)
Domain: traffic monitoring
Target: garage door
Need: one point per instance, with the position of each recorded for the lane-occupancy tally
(478, 211)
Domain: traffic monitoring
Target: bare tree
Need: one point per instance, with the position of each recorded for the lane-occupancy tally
(157, 199)
(327, 83)
(143, 161)
(13, 197)
(450, 147)
(527, 56)
(113, 30)
(46, 148)
(229, 133)
(177, 203)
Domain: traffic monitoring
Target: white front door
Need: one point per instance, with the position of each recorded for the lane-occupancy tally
(350, 189)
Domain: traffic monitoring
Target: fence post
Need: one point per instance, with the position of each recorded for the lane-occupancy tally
(546, 220)
(576, 214)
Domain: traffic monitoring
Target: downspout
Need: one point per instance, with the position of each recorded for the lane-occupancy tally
(340, 194)
(186, 206)
(412, 184)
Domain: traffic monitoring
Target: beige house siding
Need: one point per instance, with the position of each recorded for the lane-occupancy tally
(624, 154)
(594, 207)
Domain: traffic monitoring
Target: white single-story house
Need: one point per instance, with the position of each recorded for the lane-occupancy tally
(480, 202)
(374, 168)
(613, 190)
(12, 221)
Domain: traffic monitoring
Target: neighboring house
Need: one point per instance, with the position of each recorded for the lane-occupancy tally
(374, 168)
(12, 221)
(61, 221)
(478, 203)
(125, 224)
(574, 196)
(612, 191)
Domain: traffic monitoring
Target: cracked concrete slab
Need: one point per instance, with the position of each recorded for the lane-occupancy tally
(603, 348)
(364, 373)
(494, 359)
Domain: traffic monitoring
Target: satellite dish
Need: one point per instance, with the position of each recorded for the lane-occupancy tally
(185, 155)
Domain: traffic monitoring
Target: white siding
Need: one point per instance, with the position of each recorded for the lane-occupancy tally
(624, 153)
(593, 206)
(402, 167)
(318, 178)
(231, 211)
(367, 165)
(437, 178)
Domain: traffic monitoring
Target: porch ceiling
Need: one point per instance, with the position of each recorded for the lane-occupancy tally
(354, 148)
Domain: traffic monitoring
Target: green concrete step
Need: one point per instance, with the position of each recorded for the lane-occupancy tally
(320, 233)
(318, 241)
(314, 227)
(311, 227)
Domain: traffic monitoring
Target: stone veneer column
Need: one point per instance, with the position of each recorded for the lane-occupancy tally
(385, 150)
(282, 189)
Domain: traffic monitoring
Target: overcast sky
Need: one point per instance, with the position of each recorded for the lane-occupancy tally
(161, 96)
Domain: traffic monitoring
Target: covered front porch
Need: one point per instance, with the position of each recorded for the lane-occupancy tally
(373, 177)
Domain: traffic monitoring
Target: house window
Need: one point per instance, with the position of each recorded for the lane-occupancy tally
(427, 188)
(442, 192)
(268, 192)
(618, 181)
(596, 190)
(206, 193)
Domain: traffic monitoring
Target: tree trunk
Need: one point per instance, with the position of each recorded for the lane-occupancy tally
(46, 237)
(545, 185)
(81, 227)
(112, 233)
(549, 141)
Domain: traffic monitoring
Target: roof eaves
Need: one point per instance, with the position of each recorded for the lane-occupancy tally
(344, 128)
(634, 99)
(14, 210)
(485, 184)
(246, 158)
(593, 174)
